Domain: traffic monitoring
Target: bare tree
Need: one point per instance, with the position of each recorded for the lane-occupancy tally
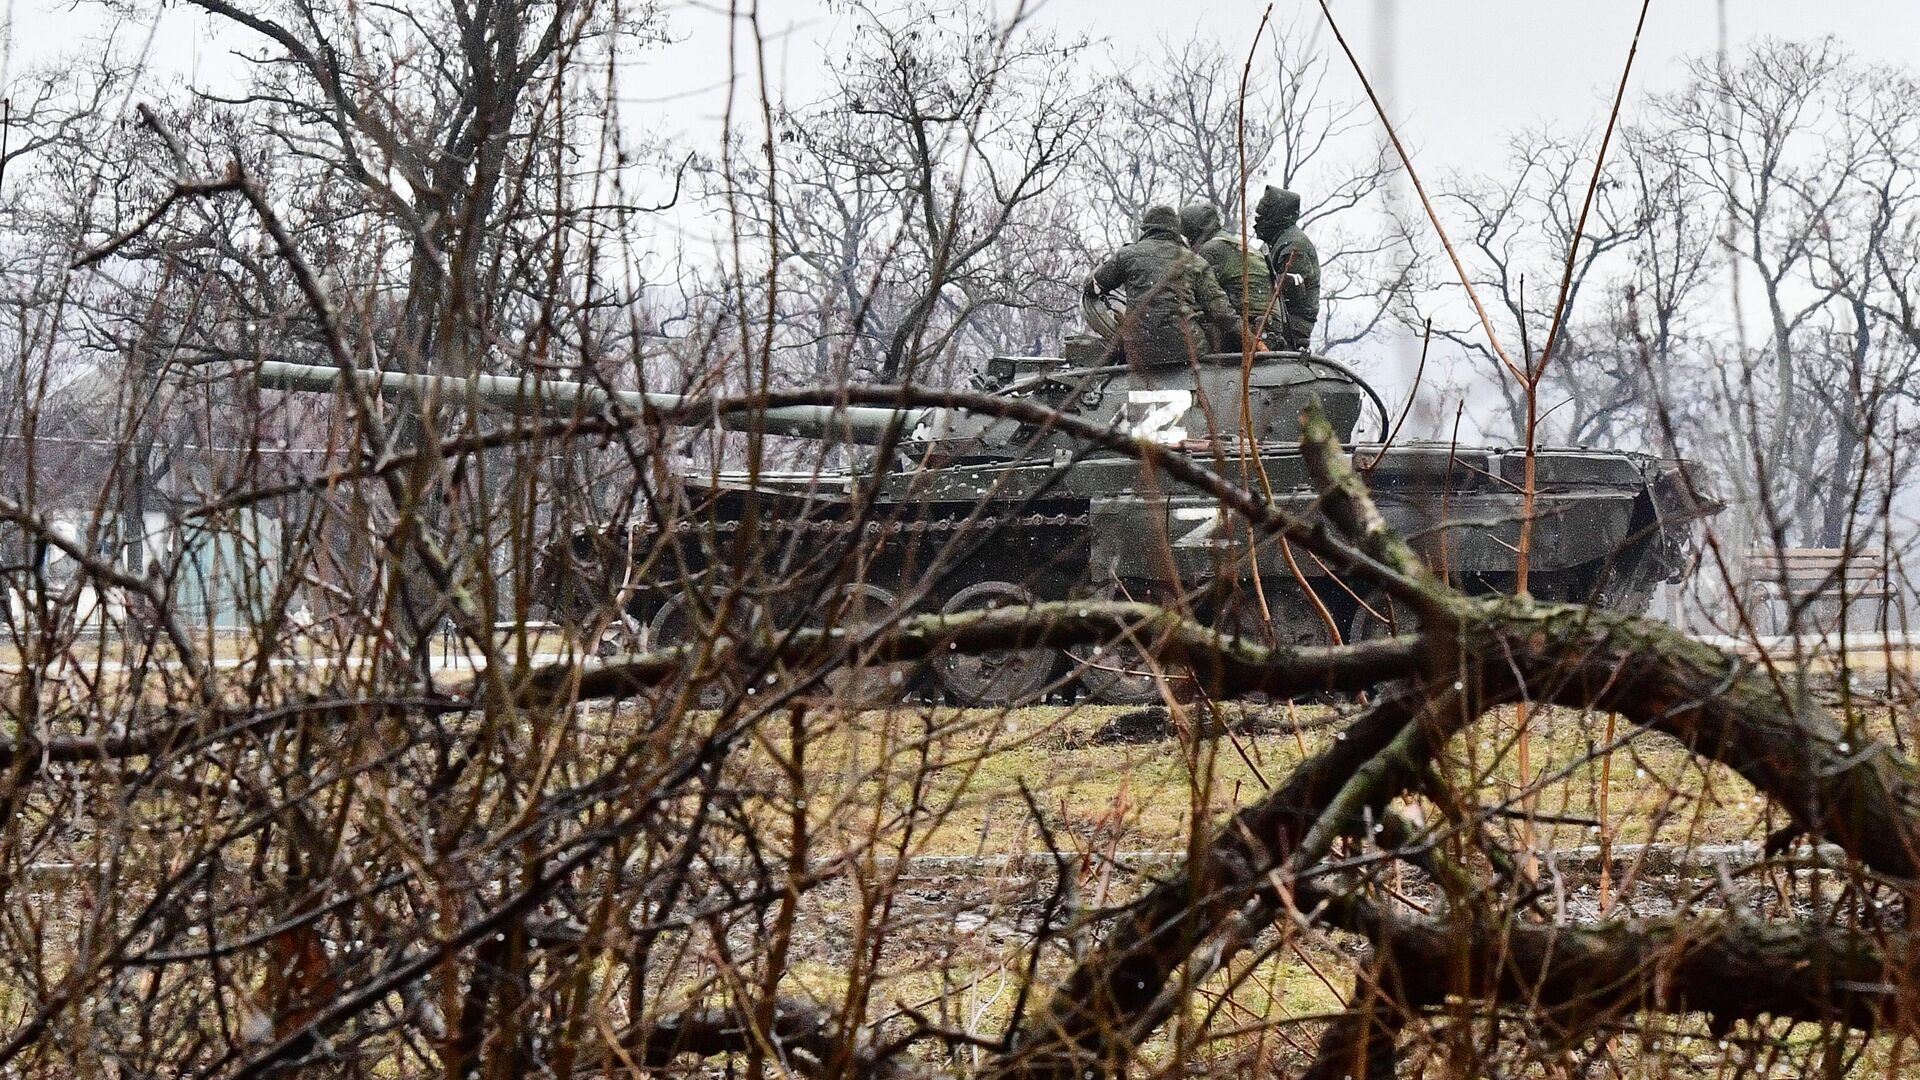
(920, 194)
(1787, 146)
(280, 843)
(1520, 230)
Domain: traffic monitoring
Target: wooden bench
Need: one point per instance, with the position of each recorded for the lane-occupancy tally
(1829, 582)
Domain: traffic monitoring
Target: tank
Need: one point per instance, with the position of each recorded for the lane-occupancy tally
(973, 511)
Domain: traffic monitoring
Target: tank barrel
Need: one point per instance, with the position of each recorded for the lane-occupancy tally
(554, 397)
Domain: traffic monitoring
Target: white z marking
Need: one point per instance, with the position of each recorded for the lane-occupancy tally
(1155, 415)
(1201, 534)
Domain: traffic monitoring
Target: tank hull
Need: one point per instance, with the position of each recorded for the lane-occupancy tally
(1608, 526)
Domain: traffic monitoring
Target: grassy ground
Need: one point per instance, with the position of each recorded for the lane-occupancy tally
(1102, 794)
(990, 771)
(965, 782)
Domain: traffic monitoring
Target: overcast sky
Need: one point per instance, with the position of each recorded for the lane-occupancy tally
(1462, 75)
(1464, 72)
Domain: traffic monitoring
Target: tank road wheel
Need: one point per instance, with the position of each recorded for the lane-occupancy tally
(680, 621)
(1288, 618)
(1118, 672)
(853, 608)
(1001, 676)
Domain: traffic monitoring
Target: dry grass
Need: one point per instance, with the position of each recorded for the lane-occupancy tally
(1104, 796)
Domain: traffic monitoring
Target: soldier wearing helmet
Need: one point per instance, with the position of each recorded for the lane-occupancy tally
(1243, 275)
(1175, 309)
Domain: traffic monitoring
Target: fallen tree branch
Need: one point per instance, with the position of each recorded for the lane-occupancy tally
(1090, 1022)
(1233, 665)
(1837, 784)
(1575, 979)
(1479, 653)
(803, 1037)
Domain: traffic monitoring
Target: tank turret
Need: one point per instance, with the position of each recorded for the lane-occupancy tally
(1182, 403)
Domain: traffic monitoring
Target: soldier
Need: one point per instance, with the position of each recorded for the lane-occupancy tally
(1244, 277)
(1175, 309)
(1295, 262)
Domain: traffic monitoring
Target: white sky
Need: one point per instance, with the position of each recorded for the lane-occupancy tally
(1465, 73)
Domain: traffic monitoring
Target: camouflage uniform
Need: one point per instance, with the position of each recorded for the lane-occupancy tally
(1244, 277)
(1295, 262)
(1175, 309)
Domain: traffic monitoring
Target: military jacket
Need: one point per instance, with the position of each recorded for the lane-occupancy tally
(1292, 253)
(1174, 304)
(1243, 277)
